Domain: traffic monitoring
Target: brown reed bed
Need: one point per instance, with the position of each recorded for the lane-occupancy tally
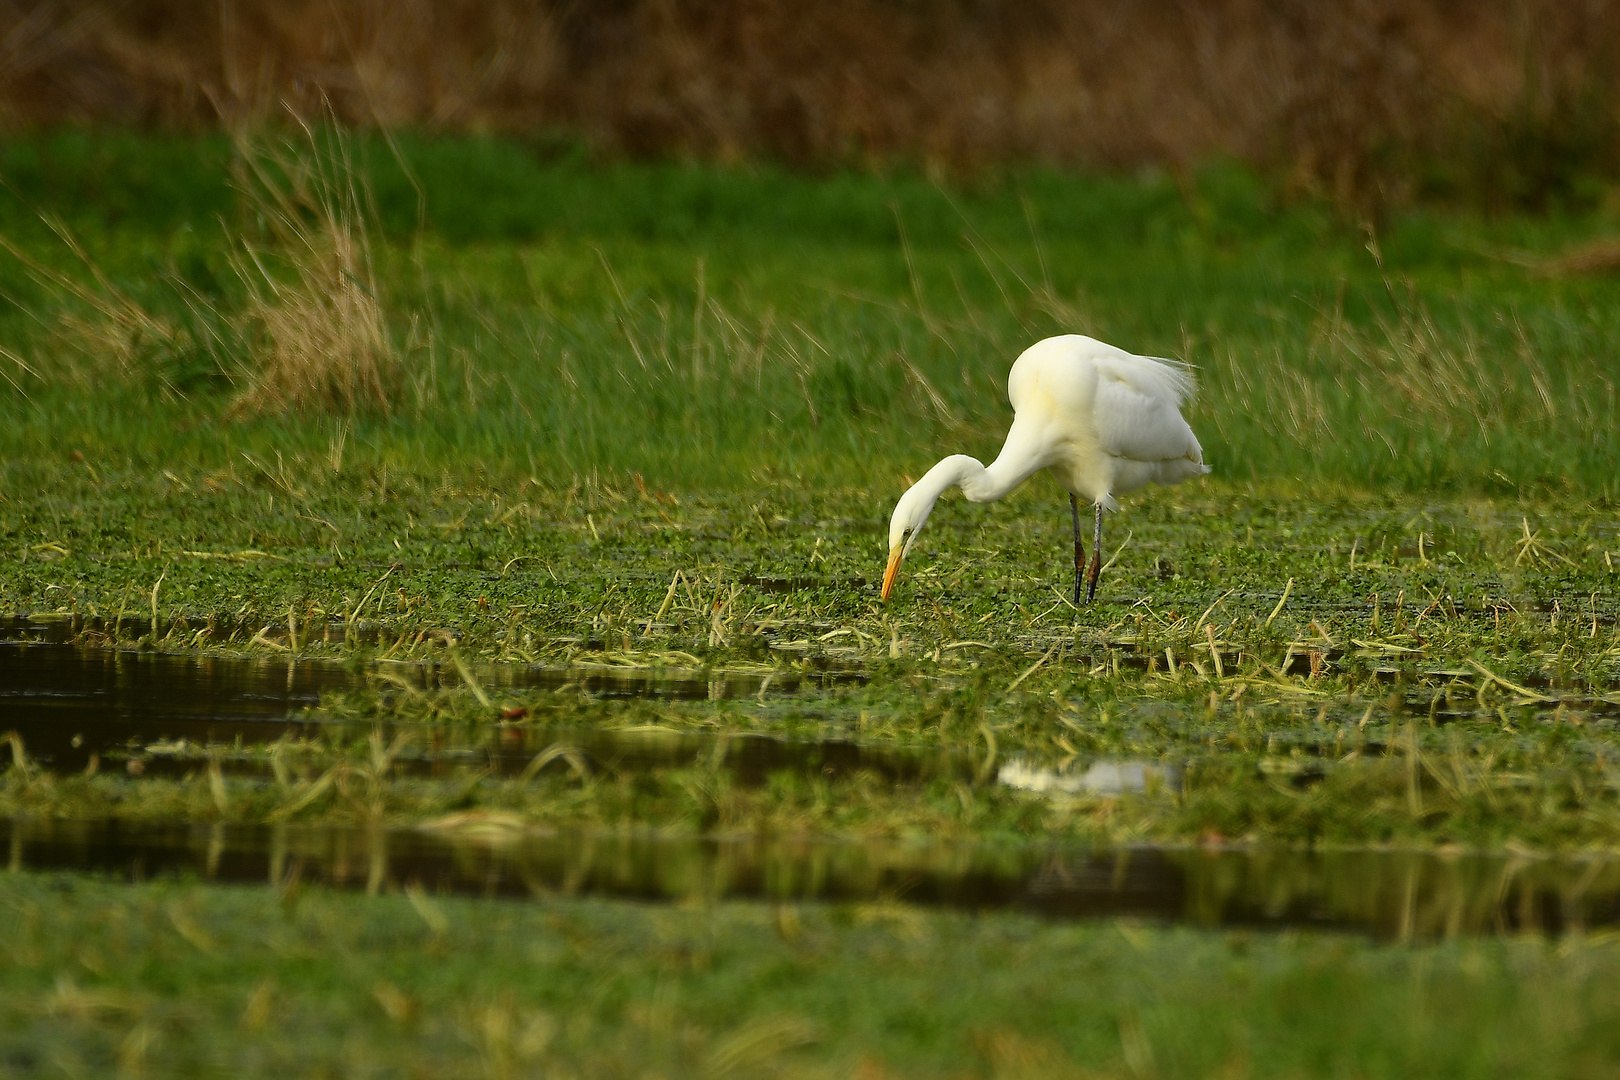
(1367, 102)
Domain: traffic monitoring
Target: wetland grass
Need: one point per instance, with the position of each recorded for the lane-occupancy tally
(579, 320)
(304, 330)
(656, 427)
(317, 334)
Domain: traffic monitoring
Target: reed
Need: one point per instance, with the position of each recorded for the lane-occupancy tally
(1406, 383)
(99, 332)
(317, 335)
(303, 327)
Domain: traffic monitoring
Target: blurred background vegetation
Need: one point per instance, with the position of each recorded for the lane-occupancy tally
(1508, 103)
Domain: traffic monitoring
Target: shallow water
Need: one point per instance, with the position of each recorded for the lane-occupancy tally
(27, 641)
(72, 705)
(1393, 895)
(69, 702)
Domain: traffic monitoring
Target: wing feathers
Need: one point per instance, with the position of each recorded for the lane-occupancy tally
(1138, 409)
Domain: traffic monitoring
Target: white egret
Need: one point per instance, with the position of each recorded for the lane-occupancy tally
(1102, 421)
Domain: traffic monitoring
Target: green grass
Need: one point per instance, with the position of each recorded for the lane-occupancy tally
(851, 327)
(191, 980)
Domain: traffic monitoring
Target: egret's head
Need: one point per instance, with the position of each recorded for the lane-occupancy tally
(909, 514)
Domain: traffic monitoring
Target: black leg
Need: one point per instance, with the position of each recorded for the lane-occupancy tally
(1096, 558)
(1079, 548)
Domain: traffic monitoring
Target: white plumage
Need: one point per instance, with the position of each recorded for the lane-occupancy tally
(1102, 421)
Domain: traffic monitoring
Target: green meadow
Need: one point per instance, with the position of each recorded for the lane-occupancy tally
(187, 980)
(438, 410)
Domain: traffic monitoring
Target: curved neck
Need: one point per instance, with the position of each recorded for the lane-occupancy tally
(978, 483)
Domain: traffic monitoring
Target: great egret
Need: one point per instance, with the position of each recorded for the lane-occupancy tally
(1103, 421)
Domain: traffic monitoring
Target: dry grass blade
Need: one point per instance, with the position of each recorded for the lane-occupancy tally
(1531, 549)
(466, 672)
(313, 334)
(100, 329)
(431, 913)
(577, 763)
(757, 1042)
(19, 755)
(1522, 691)
(1280, 602)
(318, 335)
(320, 786)
(1600, 257)
(1034, 667)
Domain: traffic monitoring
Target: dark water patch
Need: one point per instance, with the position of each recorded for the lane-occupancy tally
(68, 703)
(1391, 895)
(749, 760)
(182, 631)
(657, 684)
(164, 714)
(746, 760)
(629, 679)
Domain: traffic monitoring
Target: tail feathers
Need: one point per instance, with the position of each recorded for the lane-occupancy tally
(1179, 376)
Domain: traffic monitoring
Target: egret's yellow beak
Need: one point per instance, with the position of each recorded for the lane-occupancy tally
(896, 553)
